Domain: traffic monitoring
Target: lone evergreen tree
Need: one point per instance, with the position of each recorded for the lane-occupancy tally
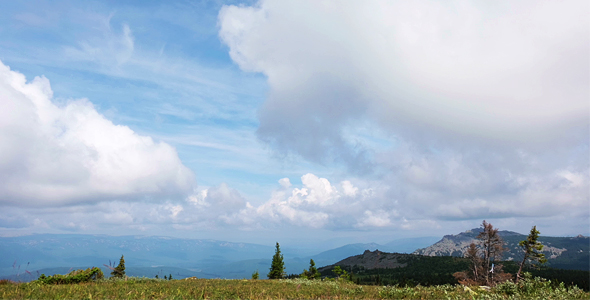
(277, 268)
(313, 271)
(531, 248)
(255, 275)
(119, 271)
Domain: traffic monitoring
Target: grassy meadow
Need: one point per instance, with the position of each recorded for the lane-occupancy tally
(192, 288)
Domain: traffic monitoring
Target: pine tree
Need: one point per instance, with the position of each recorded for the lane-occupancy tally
(313, 271)
(531, 248)
(255, 275)
(119, 271)
(277, 268)
(340, 273)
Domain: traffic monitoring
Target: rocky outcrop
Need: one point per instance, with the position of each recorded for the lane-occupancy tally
(373, 260)
(561, 252)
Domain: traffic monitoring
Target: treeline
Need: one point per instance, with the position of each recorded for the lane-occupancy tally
(420, 270)
(439, 270)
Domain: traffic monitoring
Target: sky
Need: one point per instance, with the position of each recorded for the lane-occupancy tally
(294, 121)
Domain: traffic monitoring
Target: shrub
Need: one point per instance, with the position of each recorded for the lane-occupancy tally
(75, 276)
(540, 288)
(6, 281)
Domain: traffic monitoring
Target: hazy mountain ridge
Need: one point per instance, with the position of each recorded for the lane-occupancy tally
(372, 260)
(150, 255)
(561, 252)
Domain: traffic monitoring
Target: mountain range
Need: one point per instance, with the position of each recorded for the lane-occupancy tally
(25, 257)
(561, 252)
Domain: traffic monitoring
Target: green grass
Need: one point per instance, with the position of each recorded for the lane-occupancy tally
(143, 288)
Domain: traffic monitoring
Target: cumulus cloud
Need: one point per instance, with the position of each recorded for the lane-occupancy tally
(501, 72)
(446, 185)
(462, 110)
(54, 154)
(218, 200)
(317, 204)
(321, 204)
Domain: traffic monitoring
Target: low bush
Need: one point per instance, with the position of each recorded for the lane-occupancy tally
(76, 276)
(539, 288)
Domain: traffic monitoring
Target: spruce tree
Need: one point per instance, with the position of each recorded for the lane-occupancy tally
(277, 268)
(119, 271)
(531, 248)
(313, 271)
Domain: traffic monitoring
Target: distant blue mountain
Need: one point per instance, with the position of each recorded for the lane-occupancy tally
(24, 258)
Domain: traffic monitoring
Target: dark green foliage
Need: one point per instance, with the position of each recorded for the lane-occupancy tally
(76, 276)
(170, 277)
(119, 271)
(255, 275)
(538, 288)
(277, 268)
(439, 270)
(312, 273)
(423, 270)
(532, 250)
(569, 278)
(340, 273)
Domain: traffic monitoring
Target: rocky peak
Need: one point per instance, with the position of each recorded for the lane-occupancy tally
(373, 260)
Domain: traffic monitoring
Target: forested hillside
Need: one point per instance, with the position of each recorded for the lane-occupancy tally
(382, 268)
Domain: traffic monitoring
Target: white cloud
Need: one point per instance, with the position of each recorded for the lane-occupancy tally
(501, 72)
(218, 200)
(480, 109)
(317, 204)
(62, 154)
(378, 219)
(285, 182)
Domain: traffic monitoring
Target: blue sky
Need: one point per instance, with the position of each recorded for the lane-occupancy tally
(283, 120)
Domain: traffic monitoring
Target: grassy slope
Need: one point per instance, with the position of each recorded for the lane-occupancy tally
(254, 289)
